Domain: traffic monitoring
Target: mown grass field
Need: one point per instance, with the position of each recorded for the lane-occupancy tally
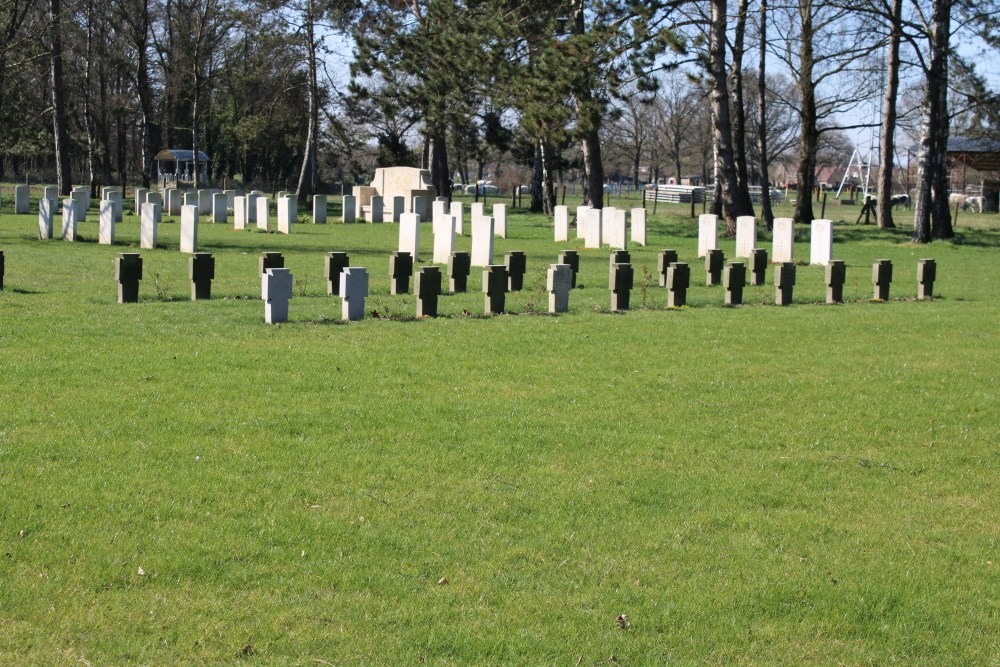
(182, 484)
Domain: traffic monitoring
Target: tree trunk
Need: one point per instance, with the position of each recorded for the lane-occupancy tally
(88, 123)
(887, 146)
(765, 184)
(593, 169)
(307, 175)
(144, 91)
(438, 161)
(548, 186)
(59, 132)
(537, 175)
(809, 134)
(738, 110)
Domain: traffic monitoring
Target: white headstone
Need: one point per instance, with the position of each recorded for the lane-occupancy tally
(220, 208)
(607, 215)
(189, 229)
(155, 198)
(230, 198)
(106, 227)
(116, 198)
(477, 211)
(263, 213)
(51, 192)
(458, 213)
(398, 207)
(46, 207)
(277, 285)
(617, 227)
(81, 199)
(147, 227)
(69, 220)
(353, 290)
(204, 202)
(500, 220)
(444, 238)
(582, 216)
(240, 213)
(21, 199)
(319, 210)
(482, 242)
(252, 207)
(592, 228)
(821, 242)
(378, 209)
(559, 281)
(287, 213)
(174, 201)
(639, 226)
(439, 207)
(708, 233)
(409, 234)
(746, 235)
(140, 199)
(562, 223)
(783, 248)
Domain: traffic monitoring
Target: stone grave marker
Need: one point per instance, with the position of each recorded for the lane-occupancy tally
(458, 212)
(617, 226)
(140, 199)
(784, 281)
(46, 207)
(516, 265)
(746, 235)
(81, 202)
(592, 228)
(118, 202)
(477, 211)
(734, 278)
(204, 202)
(821, 242)
(155, 198)
(926, 275)
(582, 217)
(500, 220)
(409, 235)
(495, 288)
(758, 266)
(881, 279)
(444, 238)
(276, 290)
(663, 262)
(231, 196)
(252, 208)
(240, 213)
(51, 192)
(708, 233)
(562, 224)
(571, 258)
(333, 264)
(378, 209)
(836, 275)
(620, 257)
(3, 269)
(459, 267)
(269, 260)
(428, 287)
(400, 270)
(201, 271)
(620, 283)
(678, 281)
(482, 241)
(128, 273)
(353, 290)
(69, 219)
(147, 227)
(174, 201)
(714, 261)
(639, 226)
(559, 281)
(783, 240)
(189, 229)
(319, 210)
(263, 213)
(398, 207)
(220, 210)
(21, 199)
(288, 213)
(190, 199)
(106, 223)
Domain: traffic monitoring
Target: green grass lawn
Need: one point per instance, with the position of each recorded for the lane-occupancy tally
(182, 484)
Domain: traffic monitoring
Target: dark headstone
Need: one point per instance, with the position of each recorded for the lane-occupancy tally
(517, 265)
(495, 288)
(882, 277)
(836, 276)
(459, 265)
(620, 283)
(714, 262)
(271, 260)
(663, 262)
(1, 269)
(734, 278)
(784, 281)
(678, 281)
(333, 264)
(128, 273)
(758, 266)
(572, 258)
(620, 257)
(400, 270)
(926, 275)
(428, 287)
(201, 270)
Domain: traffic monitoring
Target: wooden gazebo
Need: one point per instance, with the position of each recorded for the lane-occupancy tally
(176, 167)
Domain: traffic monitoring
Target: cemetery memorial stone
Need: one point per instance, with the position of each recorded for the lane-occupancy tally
(439, 209)
(783, 240)
(378, 210)
(881, 278)
(204, 202)
(174, 201)
(592, 228)
(482, 241)
(220, 208)
(154, 198)
(559, 280)
(118, 202)
(714, 261)
(620, 257)
(128, 273)
(836, 275)
(926, 274)
(81, 202)
(69, 220)
(495, 288)
(663, 262)
(444, 238)
(409, 234)
(231, 196)
(201, 270)
(571, 258)
(140, 199)
(252, 208)
(500, 220)
(190, 199)
(319, 210)
(582, 216)
(477, 211)
(678, 281)
(821, 242)
(400, 270)
(288, 213)
(189, 229)
(758, 266)
(784, 281)
(147, 227)
(353, 290)
(733, 279)
(269, 260)
(333, 264)
(708, 233)
(240, 213)
(46, 207)
(746, 235)
(620, 283)
(617, 224)
(428, 287)
(21, 200)
(106, 220)
(458, 212)
(3, 268)
(639, 226)
(51, 192)
(516, 265)
(459, 267)
(562, 223)
(398, 207)
(277, 290)
(263, 213)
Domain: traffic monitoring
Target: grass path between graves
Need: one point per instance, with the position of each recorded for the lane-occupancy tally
(182, 484)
